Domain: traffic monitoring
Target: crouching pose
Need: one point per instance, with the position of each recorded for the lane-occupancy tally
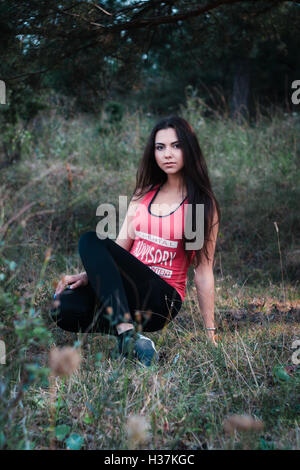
(137, 283)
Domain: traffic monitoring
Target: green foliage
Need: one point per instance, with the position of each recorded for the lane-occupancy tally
(280, 374)
(113, 115)
(115, 111)
(265, 445)
(140, 57)
(21, 328)
(74, 442)
(62, 431)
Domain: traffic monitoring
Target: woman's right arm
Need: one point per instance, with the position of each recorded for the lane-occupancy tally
(125, 238)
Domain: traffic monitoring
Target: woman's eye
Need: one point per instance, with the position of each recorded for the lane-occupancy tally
(160, 147)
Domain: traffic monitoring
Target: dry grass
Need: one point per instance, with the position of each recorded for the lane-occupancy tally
(50, 197)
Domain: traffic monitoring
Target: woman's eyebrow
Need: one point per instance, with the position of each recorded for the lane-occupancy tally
(172, 143)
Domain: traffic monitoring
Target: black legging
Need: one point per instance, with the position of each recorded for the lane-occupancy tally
(118, 280)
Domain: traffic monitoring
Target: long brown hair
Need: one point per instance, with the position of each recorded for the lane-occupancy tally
(194, 172)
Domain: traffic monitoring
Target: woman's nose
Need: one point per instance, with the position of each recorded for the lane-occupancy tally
(168, 152)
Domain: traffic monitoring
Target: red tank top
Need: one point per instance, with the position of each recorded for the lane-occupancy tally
(159, 241)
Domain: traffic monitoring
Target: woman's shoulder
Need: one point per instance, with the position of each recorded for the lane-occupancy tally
(138, 195)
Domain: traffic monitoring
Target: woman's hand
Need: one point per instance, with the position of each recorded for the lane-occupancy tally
(73, 281)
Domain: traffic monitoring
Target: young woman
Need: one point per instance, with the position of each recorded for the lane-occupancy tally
(137, 283)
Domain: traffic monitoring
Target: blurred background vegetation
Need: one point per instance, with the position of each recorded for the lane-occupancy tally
(145, 54)
(86, 81)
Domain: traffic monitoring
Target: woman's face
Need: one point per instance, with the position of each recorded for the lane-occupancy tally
(168, 152)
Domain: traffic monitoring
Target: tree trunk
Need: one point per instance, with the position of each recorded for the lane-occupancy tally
(240, 91)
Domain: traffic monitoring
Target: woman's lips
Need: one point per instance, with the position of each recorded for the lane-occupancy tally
(169, 164)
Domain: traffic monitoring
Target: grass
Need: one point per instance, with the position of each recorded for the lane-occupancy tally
(49, 198)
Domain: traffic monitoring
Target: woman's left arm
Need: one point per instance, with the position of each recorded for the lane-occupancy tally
(205, 284)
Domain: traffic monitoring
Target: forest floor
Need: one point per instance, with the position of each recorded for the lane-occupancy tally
(49, 198)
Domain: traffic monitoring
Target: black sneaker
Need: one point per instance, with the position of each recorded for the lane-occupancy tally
(144, 350)
(135, 345)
